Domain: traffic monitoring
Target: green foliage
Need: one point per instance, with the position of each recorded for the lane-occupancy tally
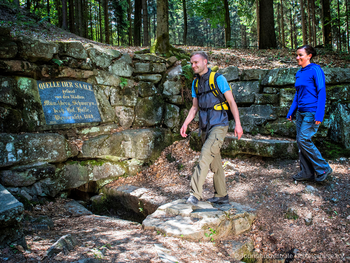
(211, 233)
(170, 158)
(57, 61)
(332, 150)
(123, 82)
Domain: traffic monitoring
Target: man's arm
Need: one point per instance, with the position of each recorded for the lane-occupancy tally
(190, 117)
(235, 113)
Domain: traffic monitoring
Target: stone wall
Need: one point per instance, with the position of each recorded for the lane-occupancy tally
(141, 106)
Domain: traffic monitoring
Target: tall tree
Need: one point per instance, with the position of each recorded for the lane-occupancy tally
(48, 10)
(227, 24)
(130, 22)
(137, 23)
(326, 23)
(163, 42)
(347, 26)
(185, 21)
(64, 14)
(283, 43)
(303, 23)
(105, 9)
(27, 5)
(145, 23)
(339, 29)
(267, 35)
(313, 16)
(71, 16)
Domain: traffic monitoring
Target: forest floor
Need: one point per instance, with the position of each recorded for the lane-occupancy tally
(263, 184)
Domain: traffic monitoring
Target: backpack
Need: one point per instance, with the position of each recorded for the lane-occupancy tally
(223, 105)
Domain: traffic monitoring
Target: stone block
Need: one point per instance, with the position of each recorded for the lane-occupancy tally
(231, 73)
(107, 112)
(121, 68)
(75, 73)
(148, 111)
(337, 75)
(8, 48)
(149, 67)
(125, 116)
(253, 74)
(154, 78)
(8, 88)
(146, 89)
(19, 149)
(270, 90)
(280, 77)
(149, 57)
(172, 116)
(244, 91)
(286, 97)
(37, 49)
(107, 79)
(11, 120)
(172, 87)
(20, 67)
(126, 96)
(175, 73)
(100, 56)
(280, 127)
(74, 49)
(11, 210)
(266, 98)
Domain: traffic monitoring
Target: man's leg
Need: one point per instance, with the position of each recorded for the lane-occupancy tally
(210, 149)
(216, 167)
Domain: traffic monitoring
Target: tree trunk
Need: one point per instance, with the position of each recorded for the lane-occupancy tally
(130, 24)
(267, 35)
(145, 23)
(100, 19)
(16, 2)
(257, 21)
(48, 10)
(163, 43)
(244, 36)
(339, 30)
(91, 19)
(282, 27)
(185, 21)
(347, 26)
(227, 24)
(291, 28)
(137, 23)
(105, 9)
(313, 22)
(326, 22)
(28, 5)
(64, 14)
(71, 16)
(303, 24)
(309, 31)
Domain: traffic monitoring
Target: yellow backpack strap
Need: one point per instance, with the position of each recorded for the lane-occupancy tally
(196, 86)
(212, 83)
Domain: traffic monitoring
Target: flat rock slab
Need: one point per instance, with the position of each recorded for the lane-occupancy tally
(202, 222)
(11, 210)
(76, 209)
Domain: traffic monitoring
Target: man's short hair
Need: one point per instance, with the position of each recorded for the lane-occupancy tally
(201, 53)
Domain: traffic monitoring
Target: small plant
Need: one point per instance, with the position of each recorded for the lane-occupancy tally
(57, 61)
(211, 234)
(272, 132)
(187, 72)
(140, 207)
(170, 158)
(123, 82)
(180, 166)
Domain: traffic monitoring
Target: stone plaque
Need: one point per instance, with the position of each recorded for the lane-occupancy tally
(68, 101)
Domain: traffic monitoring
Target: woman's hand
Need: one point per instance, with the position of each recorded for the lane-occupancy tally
(317, 122)
(290, 118)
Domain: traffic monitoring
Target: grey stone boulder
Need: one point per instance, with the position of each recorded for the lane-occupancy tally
(140, 144)
(286, 97)
(75, 174)
(107, 112)
(121, 68)
(281, 127)
(100, 56)
(253, 74)
(172, 116)
(239, 249)
(124, 96)
(266, 99)
(172, 87)
(149, 57)
(138, 199)
(11, 214)
(125, 116)
(270, 90)
(26, 175)
(280, 77)
(107, 79)
(254, 116)
(64, 244)
(202, 222)
(340, 124)
(176, 99)
(338, 93)
(19, 149)
(37, 49)
(175, 73)
(23, 68)
(146, 89)
(11, 120)
(231, 73)
(337, 75)
(74, 49)
(244, 91)
(8, 48)
(149, 67)
(284, 149)
(76, 209)
(154, 78)
(97, 130)
(148, 111)
(8, 88)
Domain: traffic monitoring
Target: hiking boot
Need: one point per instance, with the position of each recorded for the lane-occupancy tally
(322, 177)
(300, 177)
(218, 200)
(192, 200)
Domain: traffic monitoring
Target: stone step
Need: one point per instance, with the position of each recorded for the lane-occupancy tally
(206, 222)
(11, 214)
(254, 145)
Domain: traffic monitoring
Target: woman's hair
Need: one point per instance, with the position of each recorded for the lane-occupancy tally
(309, 50)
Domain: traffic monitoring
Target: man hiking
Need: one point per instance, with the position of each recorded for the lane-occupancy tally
(210, 91)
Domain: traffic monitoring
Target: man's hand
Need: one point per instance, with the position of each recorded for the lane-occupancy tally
(238, 131)
(183, 131)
